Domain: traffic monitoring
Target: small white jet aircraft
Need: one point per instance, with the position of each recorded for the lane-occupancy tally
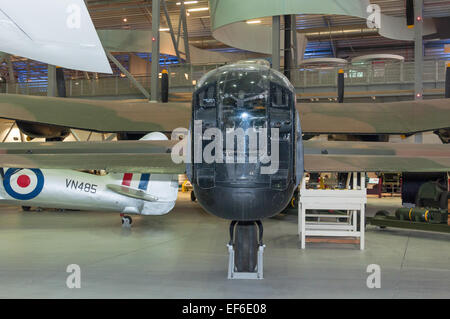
(127, 193)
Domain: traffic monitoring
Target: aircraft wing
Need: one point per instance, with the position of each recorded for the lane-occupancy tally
(137, 116)
(405, 117)
(54, 32)
(155, 156)
(375, 157)
(141, 117)
(118, 156)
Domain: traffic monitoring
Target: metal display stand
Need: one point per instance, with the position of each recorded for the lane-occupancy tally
(350, 200)
(257, 274)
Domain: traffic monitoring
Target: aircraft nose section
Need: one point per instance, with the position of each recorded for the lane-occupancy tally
(243, 204)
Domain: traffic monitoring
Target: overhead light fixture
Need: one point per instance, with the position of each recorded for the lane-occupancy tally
(124, 20)
(198, 9)
(187, 2)
(253, 21)
(164, 29)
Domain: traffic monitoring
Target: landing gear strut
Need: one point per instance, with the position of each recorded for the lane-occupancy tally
(246, 250)
(126, 220)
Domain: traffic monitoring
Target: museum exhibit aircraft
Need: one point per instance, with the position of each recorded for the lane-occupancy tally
(126, 193)
(237, 96)
(242, 96)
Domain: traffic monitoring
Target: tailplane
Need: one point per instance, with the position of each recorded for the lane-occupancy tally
(159, 191)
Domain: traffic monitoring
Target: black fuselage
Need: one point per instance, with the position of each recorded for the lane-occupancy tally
(242, 183)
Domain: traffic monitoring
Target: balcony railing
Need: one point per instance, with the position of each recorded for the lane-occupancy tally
(182, 78)
(369, 74)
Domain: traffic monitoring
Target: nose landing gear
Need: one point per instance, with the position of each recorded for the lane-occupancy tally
(245, 250)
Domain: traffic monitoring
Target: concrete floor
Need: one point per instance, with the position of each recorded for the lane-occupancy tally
(183, 255)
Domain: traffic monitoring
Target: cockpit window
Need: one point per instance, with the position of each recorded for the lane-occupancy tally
(206, 96)
(279, 96)
(243, 96)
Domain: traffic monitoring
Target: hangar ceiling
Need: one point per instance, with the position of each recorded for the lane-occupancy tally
(136, 14)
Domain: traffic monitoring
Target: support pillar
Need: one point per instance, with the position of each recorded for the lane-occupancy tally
(172, 33)
(12, 78)
(185, 33)
(287, 46)
(276, 43)
(61, 82)
(418, 49)
(294, 40)
(447, 81)
(154, 77)
(51, 80)
(418, 57)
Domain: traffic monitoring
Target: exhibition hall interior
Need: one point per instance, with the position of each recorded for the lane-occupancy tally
(224, 149)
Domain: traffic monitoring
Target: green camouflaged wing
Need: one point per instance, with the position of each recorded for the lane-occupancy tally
(375, 118)
(155, 157)
(140, 116)
(375, 157)
(120, 156)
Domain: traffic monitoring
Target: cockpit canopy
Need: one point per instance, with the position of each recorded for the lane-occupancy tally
(251, 77)
(242, 94)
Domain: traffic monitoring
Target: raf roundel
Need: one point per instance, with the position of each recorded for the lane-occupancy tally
(23, 184)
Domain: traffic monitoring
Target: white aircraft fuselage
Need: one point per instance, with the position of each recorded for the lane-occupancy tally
(128, 193)
(67, 189)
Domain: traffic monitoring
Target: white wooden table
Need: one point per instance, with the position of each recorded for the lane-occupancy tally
(350, 200)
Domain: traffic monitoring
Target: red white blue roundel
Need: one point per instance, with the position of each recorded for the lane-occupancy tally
(23, 184)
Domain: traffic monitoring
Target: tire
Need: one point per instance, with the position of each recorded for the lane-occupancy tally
(130, 220)
(193, 198)
(246, 246)
(26, 208)
(443, 200)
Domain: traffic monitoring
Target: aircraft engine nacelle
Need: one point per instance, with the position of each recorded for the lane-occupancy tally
(47, 131)
(248, 181)
(126, 136)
